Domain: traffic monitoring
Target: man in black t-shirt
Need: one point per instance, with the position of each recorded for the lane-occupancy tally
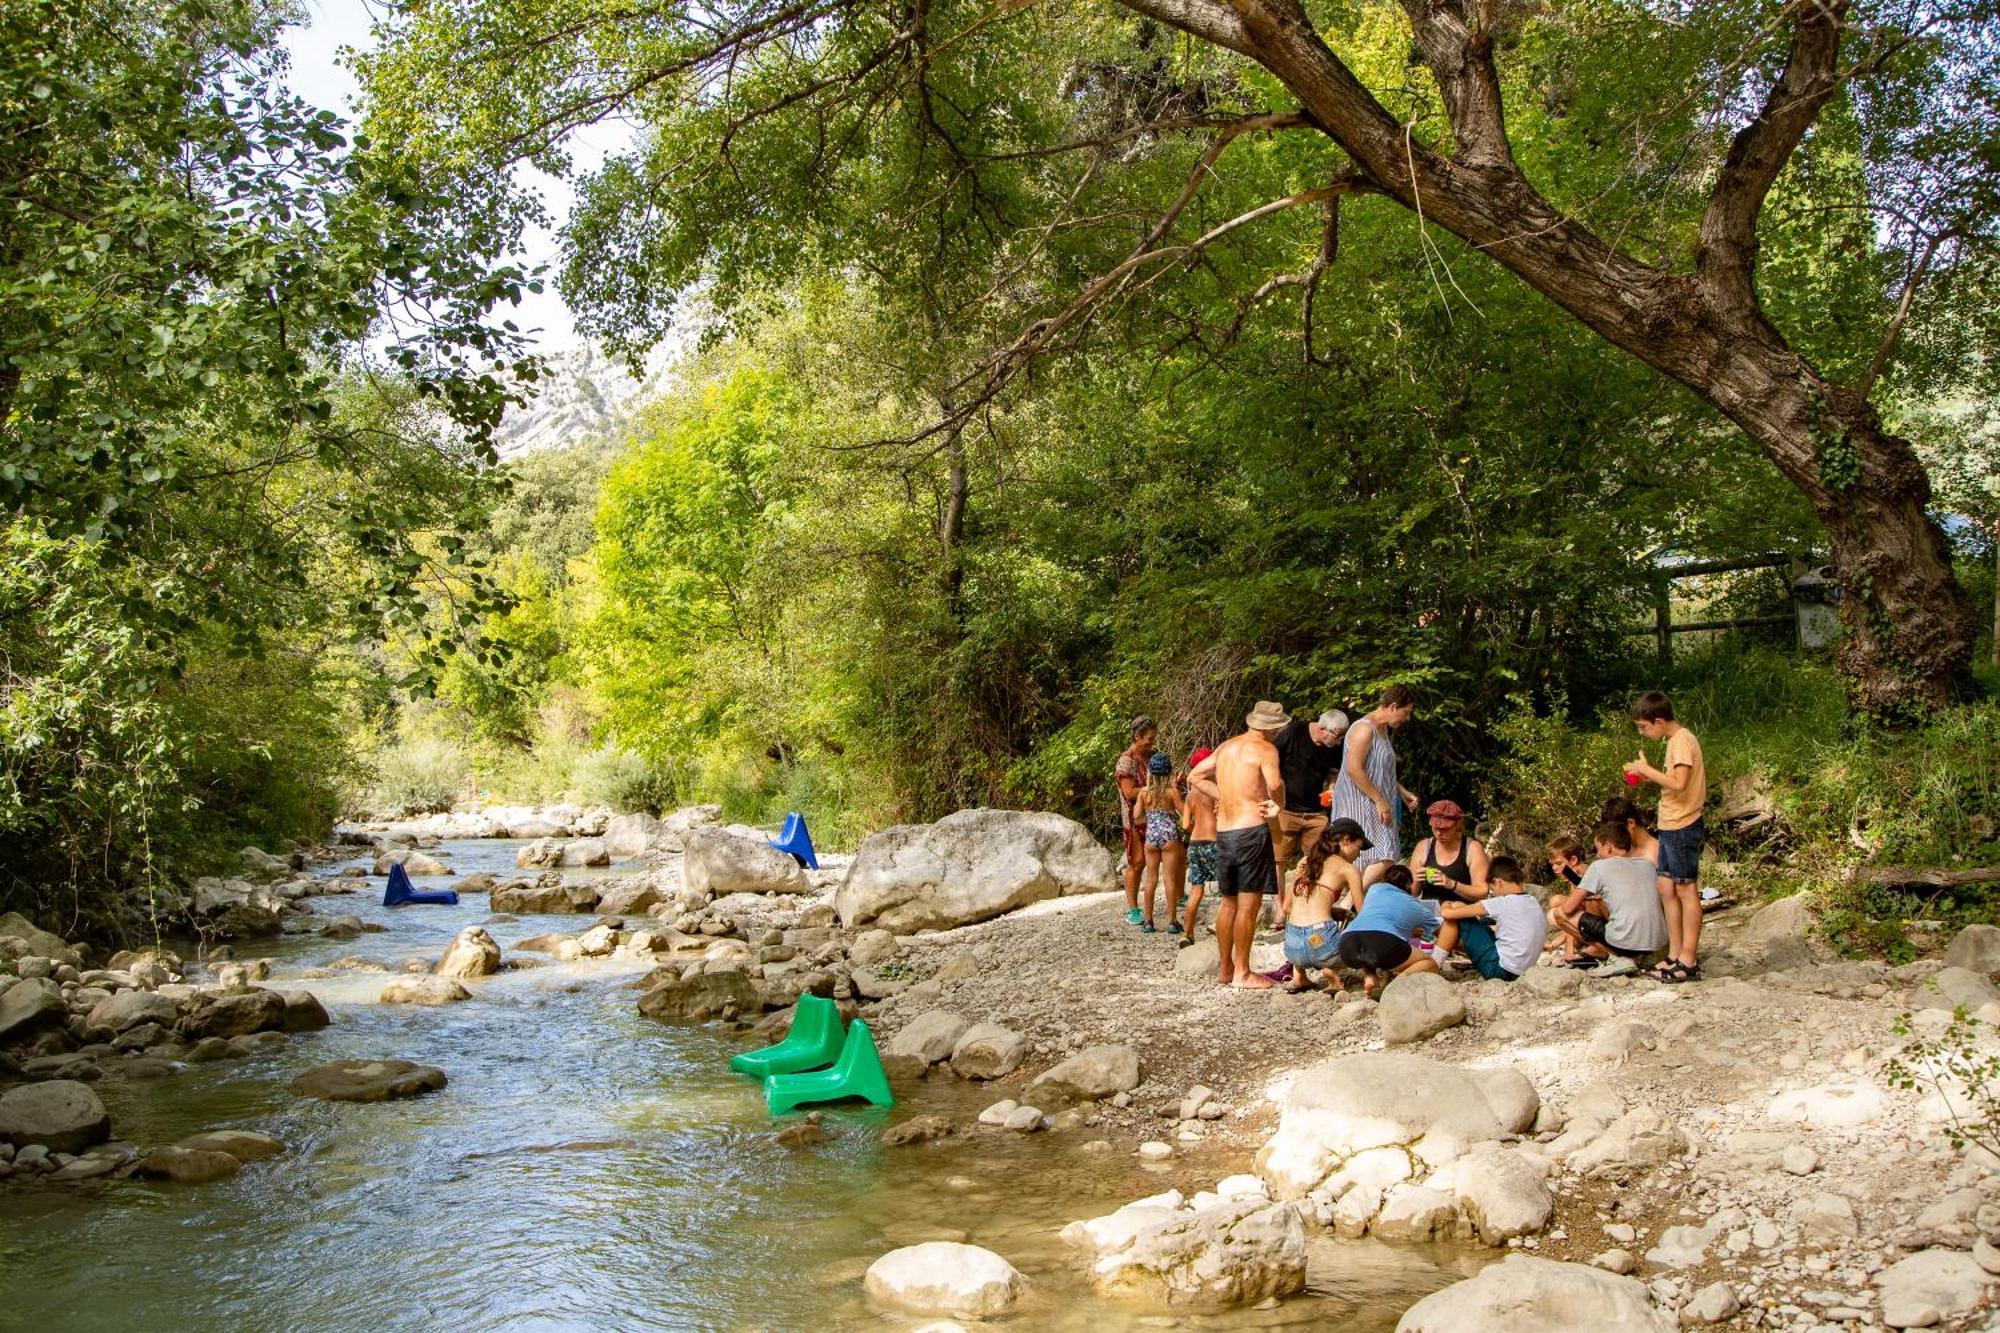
(1308, 756)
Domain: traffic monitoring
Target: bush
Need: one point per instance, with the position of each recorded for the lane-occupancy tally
(418, 776)
(623, 780)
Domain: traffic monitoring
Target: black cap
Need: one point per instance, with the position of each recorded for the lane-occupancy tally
(1347, 828)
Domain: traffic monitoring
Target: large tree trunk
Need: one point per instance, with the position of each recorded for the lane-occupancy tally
(1910, 629)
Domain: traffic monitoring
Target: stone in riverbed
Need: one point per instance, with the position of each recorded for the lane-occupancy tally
(721, 863)
(1092, 1074)
(414, 862)
(701, 996)
(1955, 988)
(241, 1144)
(988, 1050)
(28, 1007)
(929, 1037)
(187, 1166)
(424, 990)
(1418, 1005)
(128, 1009)
(304, 1012)
(871, 947)
(1523, 1294)
(368, 1080)
(1233, 1252)
(232, 1014)
(940, 1277)
(61, 1115)
(967, 867)
(472, 953)
(41, 943)
(917, 1129)
(630, 897)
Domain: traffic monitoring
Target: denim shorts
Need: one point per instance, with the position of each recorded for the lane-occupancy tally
(1680, 853)
(1312, 946)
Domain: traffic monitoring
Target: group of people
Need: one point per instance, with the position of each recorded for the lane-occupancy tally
(1309, 812)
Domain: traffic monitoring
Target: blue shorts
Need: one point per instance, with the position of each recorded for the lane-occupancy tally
(1312, 946)
(1201, 861)
(1680, 853)
(1475, 936)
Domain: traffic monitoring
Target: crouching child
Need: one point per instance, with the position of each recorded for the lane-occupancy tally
(1615, 912)
(1502, 933)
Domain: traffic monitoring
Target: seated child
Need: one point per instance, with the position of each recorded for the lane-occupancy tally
(1614, 909)
(1377, 941)
(1319, 900)
(1566, 861)
(1502, 933)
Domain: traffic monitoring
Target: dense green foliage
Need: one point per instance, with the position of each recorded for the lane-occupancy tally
(246, 380)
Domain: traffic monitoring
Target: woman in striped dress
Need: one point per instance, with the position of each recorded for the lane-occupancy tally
(1368, 789)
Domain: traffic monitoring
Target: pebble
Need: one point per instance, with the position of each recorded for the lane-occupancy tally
(997, 1113)
(1799, 1160)
(1621, 1262)
(1154, 1151)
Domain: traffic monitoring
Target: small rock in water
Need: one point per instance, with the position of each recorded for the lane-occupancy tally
(918, 1129)
(1155, 1151)
(187, 1166)
(368, 1080)
(805, 1133)
(997, 1113)
(1024, 1119)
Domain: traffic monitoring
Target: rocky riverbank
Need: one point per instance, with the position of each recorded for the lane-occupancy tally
(1732, 1152)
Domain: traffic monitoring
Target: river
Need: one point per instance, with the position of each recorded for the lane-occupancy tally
(587, 1168)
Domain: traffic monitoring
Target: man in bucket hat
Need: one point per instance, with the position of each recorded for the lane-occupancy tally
(1251, 791)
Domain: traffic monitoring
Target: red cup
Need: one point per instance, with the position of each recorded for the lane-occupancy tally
(1326, 800)
(1632, 779)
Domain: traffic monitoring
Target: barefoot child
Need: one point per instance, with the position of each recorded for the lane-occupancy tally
(1320, 900)
(1377, 941)
(1199, 819)
(1503, 932)
(1159, 811)
(1683, 784)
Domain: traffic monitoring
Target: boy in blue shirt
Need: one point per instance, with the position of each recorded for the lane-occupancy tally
(1377, 941)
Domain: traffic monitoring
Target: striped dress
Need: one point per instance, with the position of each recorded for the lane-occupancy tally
(1350, 803)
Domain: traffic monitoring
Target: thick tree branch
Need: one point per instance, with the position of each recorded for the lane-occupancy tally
(1728, 250)
(1456, 39)
(1211, 22)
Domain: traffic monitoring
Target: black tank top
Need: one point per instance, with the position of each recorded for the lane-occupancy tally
(1456, 871)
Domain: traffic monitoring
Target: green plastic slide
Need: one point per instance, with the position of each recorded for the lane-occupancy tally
(813, 1042)
(858, 1074)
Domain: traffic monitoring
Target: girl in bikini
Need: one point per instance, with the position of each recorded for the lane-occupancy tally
(1160, 809)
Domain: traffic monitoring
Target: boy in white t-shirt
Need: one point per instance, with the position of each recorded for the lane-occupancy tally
(1502, 933)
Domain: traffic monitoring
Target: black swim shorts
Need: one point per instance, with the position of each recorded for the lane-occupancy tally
(1376, 950)
(1245, 862)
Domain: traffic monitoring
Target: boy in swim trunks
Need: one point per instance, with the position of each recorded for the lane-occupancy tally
(1200, 822)
(1320, 901)
(1250, 791)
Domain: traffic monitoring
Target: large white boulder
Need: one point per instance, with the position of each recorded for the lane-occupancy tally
(1929, 1287)
(1976, 949)
(1233, 1252)
(629, 837)
(968, 867)
(721, 863)
(1501, 1193)
(941, 1277)
(1522, 1294)
(1340, 1108)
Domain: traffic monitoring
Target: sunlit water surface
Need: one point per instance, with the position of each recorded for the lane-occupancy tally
(587, 1168)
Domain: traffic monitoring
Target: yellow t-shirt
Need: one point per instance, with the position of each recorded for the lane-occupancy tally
(1681, 808)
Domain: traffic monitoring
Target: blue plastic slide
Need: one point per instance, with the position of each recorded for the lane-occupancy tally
(794, 839)
(400, 893)
(813, 1042)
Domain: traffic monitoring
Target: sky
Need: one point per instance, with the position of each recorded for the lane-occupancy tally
(319, 77)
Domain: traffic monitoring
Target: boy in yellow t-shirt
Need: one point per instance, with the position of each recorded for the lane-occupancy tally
(1683, 784)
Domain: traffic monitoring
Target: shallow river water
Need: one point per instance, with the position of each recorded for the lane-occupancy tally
(587, 1168)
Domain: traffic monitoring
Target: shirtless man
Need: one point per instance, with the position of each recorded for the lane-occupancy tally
(1250, 792)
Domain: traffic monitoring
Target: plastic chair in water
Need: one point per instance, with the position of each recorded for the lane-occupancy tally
(859, 1073)
(794, 839)
(813, 1043)
(399, 892)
